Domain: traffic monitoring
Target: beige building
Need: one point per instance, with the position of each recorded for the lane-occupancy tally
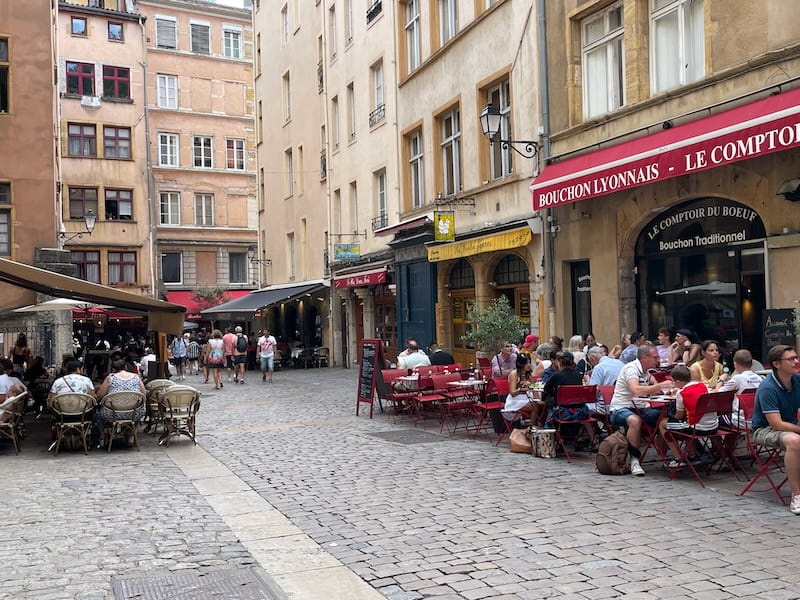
(103, 144)
(202, 147)
(675, 135)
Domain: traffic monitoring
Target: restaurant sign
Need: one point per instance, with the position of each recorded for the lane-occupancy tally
(360, 279)
(762, 127)
(346, 251)
(515, 238)
(700, 224)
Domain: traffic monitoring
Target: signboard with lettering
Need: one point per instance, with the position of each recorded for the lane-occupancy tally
(778, 328)
(371, 362)
(360, 279)
(346, 251)
(701, 224)
(444, 226)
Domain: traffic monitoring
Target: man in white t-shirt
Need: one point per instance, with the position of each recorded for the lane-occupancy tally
(266, 353)
(743, 378)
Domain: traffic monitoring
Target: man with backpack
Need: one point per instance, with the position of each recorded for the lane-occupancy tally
(179, 347)
(239, 354)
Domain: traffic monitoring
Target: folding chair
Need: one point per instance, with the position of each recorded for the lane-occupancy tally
(400, 401)
(496, 387)
(606, 393)
(660, 376)
(713, 402)
(425, 398)
(773, 458)
(457, 401)
(570, 396)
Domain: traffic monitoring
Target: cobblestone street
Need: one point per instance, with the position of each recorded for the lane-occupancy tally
(287, 479)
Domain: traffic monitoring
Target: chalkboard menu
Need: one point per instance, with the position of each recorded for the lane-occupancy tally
(778, 328)
(371, 361)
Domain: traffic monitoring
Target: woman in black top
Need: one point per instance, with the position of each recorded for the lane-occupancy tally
(21, 353)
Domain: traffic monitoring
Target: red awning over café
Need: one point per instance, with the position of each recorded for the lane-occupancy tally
(361, 279)
(762, 127)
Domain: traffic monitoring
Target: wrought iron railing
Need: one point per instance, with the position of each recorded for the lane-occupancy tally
(320, 77)
(377, 115)
(323, 165)
(382, 220)
(374, 10)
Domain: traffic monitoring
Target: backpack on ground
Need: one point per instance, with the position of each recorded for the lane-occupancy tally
(241, 343)
(612, 455)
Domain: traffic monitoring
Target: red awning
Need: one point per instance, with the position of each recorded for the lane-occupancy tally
(415, 222)
(761, 127)
(361, 279)
(184, 298)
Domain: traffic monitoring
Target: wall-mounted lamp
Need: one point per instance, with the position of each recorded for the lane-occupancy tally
(492, 283)
(790, 190)
(89, 220)
(491, 119)
(251, 256)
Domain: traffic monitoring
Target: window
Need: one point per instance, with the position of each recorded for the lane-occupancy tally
(287, 96)
(379, 111)
(121, 267)
(81, 201)
(447, 20)
(200, 38)
(116, 142)
(168, 149)
(116, 82)
(119, 205)
(97, 3)
(258, 54)
(167, 91)
(451, 152)
(5, 218)
(166, 33)
(337, 211)
(171, 267)
(332, 27)
(202, 152)
(204, 210)
(335, 119)
(351, 113)
(288, 160)
(290, 251)
(500, 158)
(285, 25)
(237, 267)
(115, 32)
(80, 78)
(380, 191)
(603, 62)
(348, 21)
(81, 140)
(88, 263)
(678, 52)
(78, 26)
(412, 34)
(4, 75)
(234, 154)
(170, 208)
(232, 43)
(354, 205)
(417, 170)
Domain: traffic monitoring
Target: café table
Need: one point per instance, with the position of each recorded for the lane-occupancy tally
(467, 393)
(662, 404)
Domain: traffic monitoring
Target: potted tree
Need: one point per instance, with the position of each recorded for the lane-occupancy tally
(492, 326)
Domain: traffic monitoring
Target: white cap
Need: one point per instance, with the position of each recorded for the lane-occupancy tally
(238, 329)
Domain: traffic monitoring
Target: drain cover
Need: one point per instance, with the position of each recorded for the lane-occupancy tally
(239, 584)
(409, 436)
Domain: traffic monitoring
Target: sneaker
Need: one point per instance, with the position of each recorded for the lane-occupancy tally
(674, 464)
(230, 379)
(794, 507)
(636, 468)
(696, 459)
(263, 377)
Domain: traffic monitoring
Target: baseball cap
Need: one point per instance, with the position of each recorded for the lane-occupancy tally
(238, 329)
(531, 339)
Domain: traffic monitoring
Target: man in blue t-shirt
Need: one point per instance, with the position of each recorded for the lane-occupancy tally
(774, 421)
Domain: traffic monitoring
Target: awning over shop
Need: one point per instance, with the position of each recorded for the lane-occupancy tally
(367, 277)
(262, 298)
(516, 238)
(408, 224)
(161, 316)
(186, 299)
(762, 127)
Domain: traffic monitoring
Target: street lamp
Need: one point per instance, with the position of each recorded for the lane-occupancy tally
(89, 220)
(491, 119)
(251, 256)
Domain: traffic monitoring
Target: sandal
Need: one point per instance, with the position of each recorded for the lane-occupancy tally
(216, 387)
(220, 384)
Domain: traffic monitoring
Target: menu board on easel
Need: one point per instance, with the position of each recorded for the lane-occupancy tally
(778, 328)
(371, 361)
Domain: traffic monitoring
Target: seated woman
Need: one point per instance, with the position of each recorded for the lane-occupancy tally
(566, 374)
(543, 362)
(519, 401)
(684, 349)
(119, 380)
(708, 369)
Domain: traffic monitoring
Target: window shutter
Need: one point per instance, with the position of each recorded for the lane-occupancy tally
(166, 34)
(200, 39)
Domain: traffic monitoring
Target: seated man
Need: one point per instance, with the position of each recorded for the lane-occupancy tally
(412, 357)
(775, 417)
(73, 381)
(10, 385)
(504, 361)
(743, 378)
(439, 356)
(634, 380)
(605, 371)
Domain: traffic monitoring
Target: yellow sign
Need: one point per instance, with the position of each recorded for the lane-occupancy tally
(488, 243)
(444, 226)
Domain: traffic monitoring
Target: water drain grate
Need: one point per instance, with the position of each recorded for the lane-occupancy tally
(239, 584)
(409, 436)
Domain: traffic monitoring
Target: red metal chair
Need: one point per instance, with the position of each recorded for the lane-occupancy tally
(484, 362)
(495, 399)
(660, 376)
(457, 401)
(570, 396)
(426, 397)
(398, 400)
(766, 458)
(606, 393)
(713, 402)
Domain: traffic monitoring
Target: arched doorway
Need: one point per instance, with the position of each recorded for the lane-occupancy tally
(700, 266)
(511, 279)
(462, 298)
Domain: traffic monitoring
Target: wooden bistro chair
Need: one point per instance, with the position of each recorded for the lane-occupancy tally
(768, 460)
(11, 428)
(321, 356)
(572, 395)
(123, 406)
(153, 415)
(72, 414)
(179, 405)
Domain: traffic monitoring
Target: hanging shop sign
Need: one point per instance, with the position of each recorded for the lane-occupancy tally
(515, 238)
(700, 224)
(346, 251)
(364, 279)
(444, 226)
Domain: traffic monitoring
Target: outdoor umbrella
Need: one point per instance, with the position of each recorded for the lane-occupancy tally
(60, 304)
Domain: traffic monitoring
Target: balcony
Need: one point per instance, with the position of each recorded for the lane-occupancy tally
(382, 220)
(377, 115)
(320, 78)
(375, 9)
(323, 165)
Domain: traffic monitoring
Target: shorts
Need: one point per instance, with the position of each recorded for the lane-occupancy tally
(229, 361)
(268, 363)
(178, 360)
(240, 359)
(767, 436)
(620, 416)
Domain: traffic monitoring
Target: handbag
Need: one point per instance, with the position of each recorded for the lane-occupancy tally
(519, 441)
(543, 442)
